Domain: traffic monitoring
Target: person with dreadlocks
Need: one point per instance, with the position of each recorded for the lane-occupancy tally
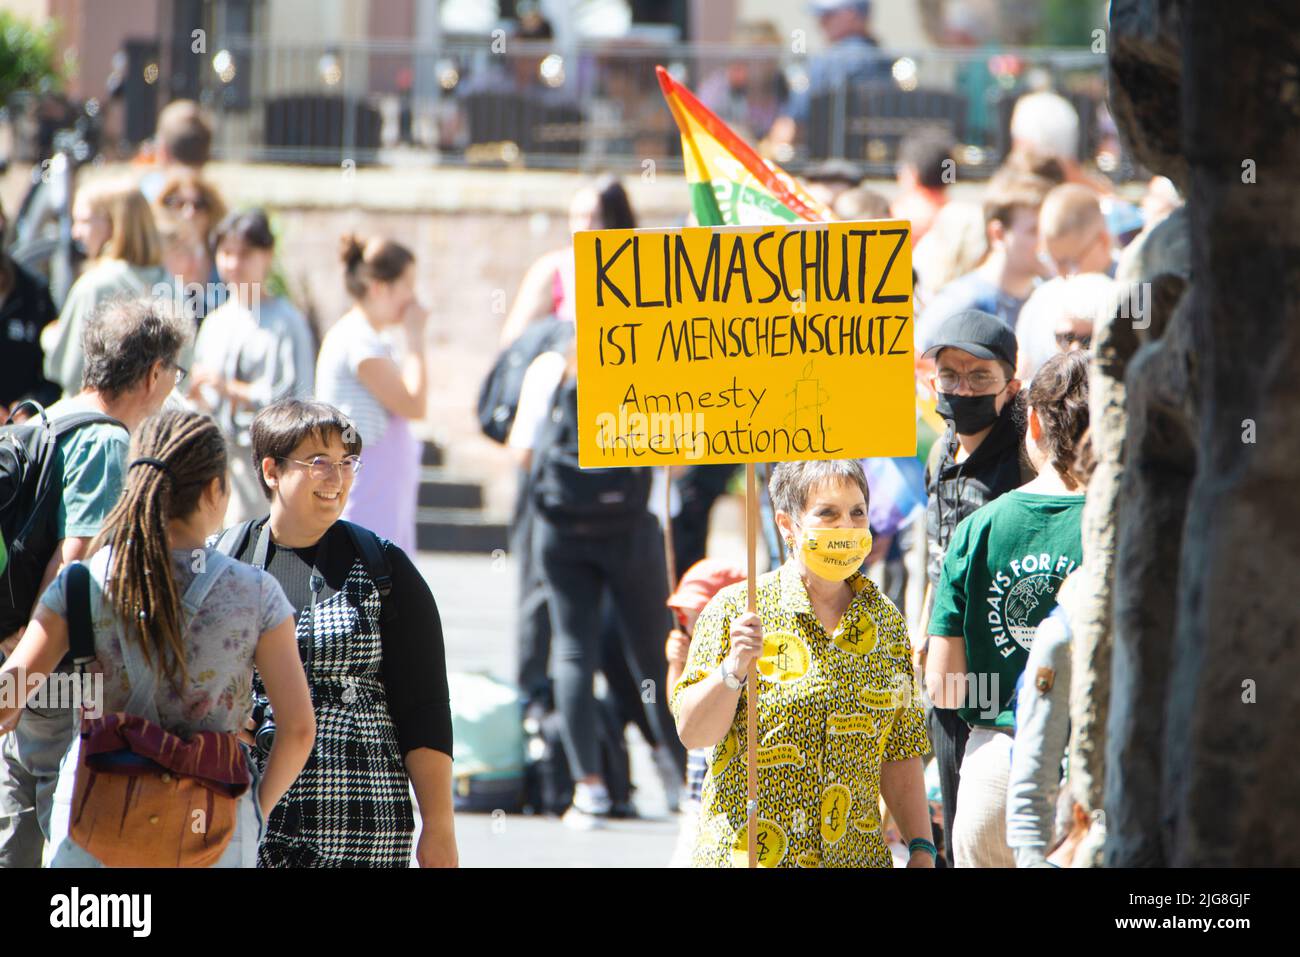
(131, 350)
(177, 626)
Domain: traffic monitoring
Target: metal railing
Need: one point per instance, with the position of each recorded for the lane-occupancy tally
(470, 102)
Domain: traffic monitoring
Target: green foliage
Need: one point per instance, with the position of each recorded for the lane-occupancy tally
(1069, 23)
(28, 59)
(277, 282)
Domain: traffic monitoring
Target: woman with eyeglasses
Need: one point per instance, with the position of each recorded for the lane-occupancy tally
(371, 643)
(115, 224)
(376, 384)
(187, 195)
(187, 198)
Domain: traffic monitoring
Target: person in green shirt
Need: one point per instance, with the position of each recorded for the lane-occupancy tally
(999, 580)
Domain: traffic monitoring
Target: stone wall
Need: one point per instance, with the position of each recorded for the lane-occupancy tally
(1199, 763)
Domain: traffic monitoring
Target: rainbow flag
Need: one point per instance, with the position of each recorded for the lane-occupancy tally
(731, 185)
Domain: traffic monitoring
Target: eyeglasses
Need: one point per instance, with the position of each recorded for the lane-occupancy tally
(1064, 340)
(979, 381)
(322, 469)
(181, 373)
(177, 201)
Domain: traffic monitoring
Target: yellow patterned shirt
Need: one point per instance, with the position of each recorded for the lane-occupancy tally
(826, 705)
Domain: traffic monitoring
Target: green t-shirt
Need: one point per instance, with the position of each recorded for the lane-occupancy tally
(93, 463)
(1000, 576)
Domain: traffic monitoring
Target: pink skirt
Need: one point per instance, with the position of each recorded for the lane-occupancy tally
(384, 494)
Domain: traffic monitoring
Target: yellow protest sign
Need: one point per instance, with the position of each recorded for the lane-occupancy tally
(744, 343)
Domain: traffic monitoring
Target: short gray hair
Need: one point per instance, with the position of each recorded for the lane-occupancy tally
(125, 337)
(792, 482)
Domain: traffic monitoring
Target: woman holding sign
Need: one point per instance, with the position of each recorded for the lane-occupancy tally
(838, 723)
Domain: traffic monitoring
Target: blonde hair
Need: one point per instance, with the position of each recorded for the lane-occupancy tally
(216, 206)
(955, 244)
(133, 236)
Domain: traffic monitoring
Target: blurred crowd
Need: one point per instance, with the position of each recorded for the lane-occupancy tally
(1009, 291)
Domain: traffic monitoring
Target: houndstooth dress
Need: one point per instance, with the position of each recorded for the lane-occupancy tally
(351, 805)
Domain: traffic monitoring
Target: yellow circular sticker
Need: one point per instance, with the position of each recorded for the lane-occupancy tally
(809, 859)
(724, 751)
(899, 649)
(785, 657)
(772, 845)
(857, 637)
(836, 801)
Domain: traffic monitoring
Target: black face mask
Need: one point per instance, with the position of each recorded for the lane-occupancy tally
(968, 413)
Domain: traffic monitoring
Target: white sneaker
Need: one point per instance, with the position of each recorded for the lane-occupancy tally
(671, 777)
(590, 808)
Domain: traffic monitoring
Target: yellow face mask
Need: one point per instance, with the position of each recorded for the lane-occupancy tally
(834, 553)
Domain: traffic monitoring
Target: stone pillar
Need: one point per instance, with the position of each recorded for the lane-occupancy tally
(1232, 783)
(1200, 767)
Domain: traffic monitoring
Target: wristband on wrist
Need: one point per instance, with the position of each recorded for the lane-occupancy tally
(921, 844)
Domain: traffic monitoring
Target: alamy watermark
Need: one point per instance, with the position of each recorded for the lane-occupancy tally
(61, 690)
(658, 433)
(192, 298)
(978, 691)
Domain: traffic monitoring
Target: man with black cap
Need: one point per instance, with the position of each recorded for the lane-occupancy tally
(978, 458)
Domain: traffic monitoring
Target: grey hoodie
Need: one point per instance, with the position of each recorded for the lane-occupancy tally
(1042, 735)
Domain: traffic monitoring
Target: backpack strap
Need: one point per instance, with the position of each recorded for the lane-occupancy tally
(81, 630)
(366, 544)
(31, 403)
(213, 565)
(143, 676)
(233, 540)
(66, 424)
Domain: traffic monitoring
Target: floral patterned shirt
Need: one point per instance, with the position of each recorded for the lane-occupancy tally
(831, 710)
(219, 643)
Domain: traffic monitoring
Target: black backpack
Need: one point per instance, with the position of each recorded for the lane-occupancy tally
(498, 399)
(30, 492)
(584, 500)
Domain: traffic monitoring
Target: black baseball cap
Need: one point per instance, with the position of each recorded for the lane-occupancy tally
(982, 335)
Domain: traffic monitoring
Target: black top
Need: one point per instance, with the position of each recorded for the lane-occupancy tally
(24, 313)
(414, 659)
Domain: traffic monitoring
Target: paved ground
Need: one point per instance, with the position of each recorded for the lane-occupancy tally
(476, 597)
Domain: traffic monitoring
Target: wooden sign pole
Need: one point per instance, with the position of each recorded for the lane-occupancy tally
(751, 687)
(670, 556)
